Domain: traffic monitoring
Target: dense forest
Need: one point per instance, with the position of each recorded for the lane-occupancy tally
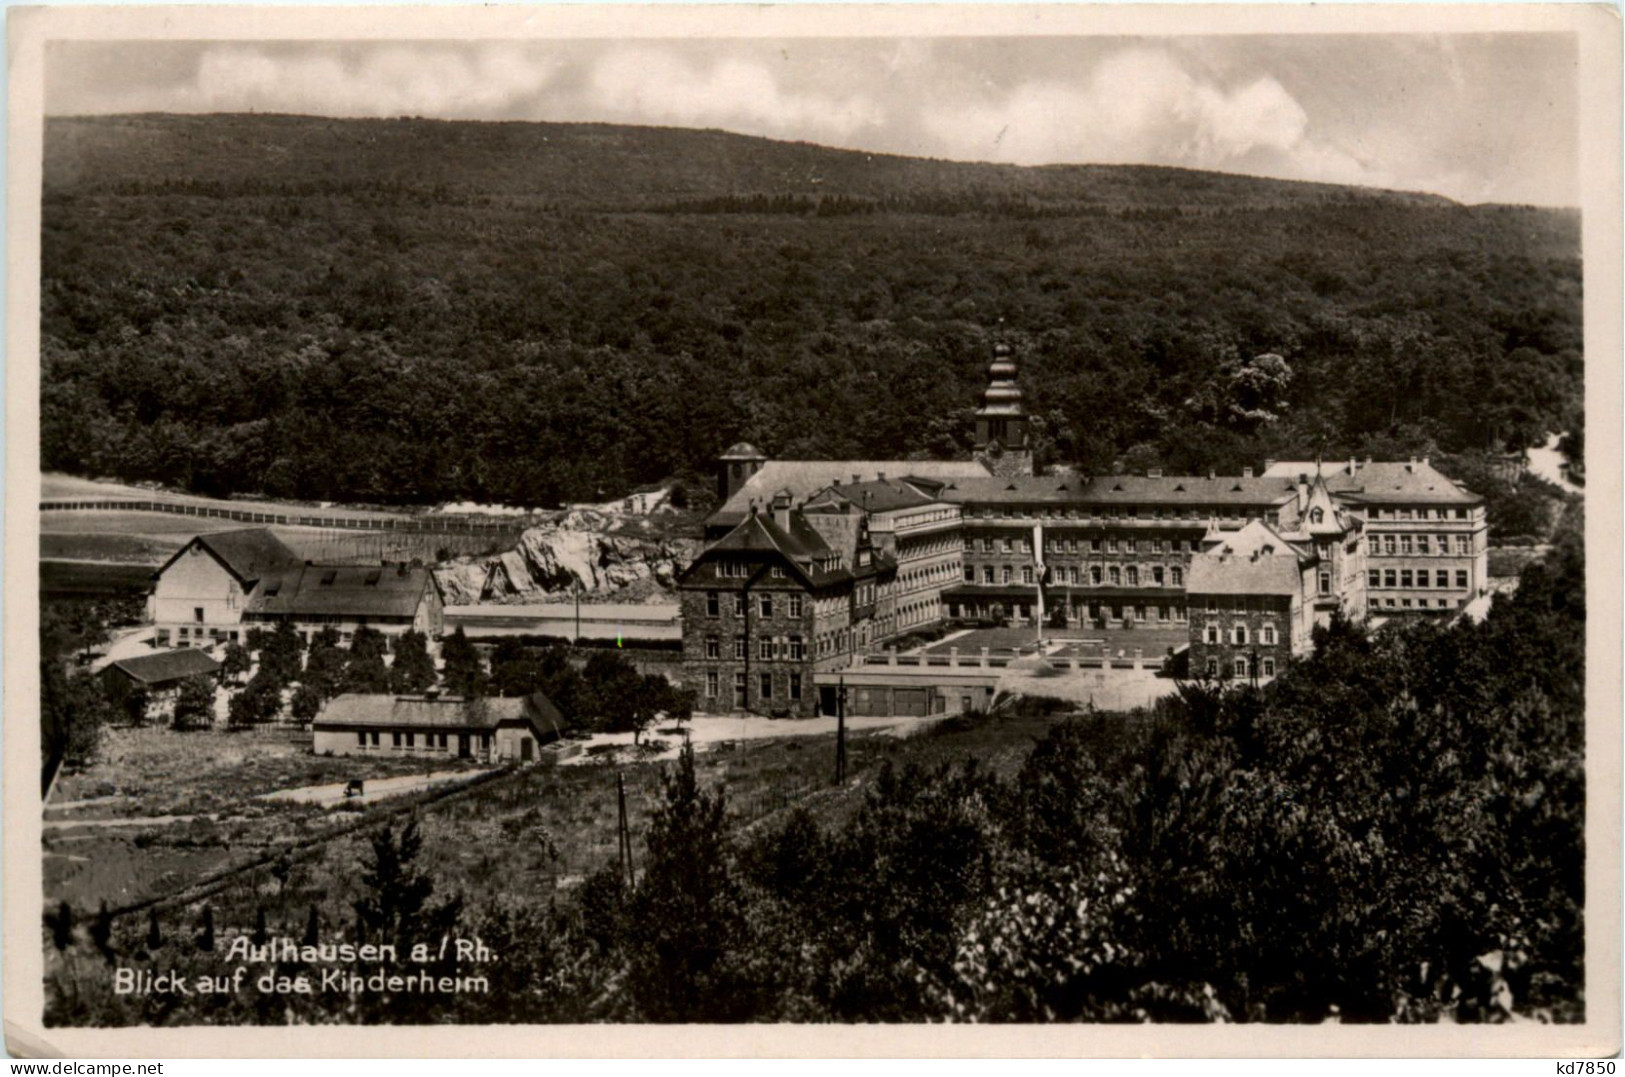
(1393, 831)
(410, 311)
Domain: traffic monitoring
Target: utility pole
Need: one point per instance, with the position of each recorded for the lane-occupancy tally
(840, 732)
(624, 834)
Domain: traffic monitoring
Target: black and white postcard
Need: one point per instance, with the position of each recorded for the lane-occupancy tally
(911, 530)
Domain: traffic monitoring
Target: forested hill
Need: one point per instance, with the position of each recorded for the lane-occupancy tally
(598, 166)
(413, 310)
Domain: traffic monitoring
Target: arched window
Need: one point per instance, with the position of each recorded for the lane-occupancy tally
(1238, 635)
(1213, 633)
(1316, 515)
(1266, 635)
(1094, 575)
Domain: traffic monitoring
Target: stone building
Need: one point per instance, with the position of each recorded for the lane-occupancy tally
(775, 600)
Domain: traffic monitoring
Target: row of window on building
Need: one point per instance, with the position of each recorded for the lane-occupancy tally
(1425, 545)
(1093, 575)
(1239, 635)
(787, 648)
(1238, 666)
(765, 603)
(1381, 512)
(1386, 579)
(431, 741)
(1059, 544)
(765, 684)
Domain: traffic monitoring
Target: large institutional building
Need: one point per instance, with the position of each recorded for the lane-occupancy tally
(814, 564)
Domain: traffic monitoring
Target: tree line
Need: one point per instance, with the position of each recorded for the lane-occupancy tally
(328, 343)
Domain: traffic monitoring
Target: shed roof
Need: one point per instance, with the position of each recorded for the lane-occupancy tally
(165, 667)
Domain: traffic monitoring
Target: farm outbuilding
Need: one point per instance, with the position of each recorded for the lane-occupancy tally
(160, 675)
(434, 725)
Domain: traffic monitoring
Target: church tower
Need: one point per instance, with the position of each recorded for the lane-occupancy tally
(1001, 441)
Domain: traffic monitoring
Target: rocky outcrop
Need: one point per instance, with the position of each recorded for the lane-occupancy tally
(609, 556)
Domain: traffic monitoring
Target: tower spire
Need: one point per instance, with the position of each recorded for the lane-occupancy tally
(1001, 422)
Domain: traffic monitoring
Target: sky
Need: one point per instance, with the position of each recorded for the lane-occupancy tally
(1474, 117)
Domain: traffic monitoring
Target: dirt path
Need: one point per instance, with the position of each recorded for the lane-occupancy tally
(375, 789)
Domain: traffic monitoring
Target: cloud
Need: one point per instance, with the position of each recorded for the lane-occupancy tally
(643, 85)
(390, 80)
(1144, 106)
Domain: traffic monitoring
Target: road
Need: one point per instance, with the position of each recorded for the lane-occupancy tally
(1547, 462)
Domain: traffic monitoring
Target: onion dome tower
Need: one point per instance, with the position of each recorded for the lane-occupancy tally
(1001, 423)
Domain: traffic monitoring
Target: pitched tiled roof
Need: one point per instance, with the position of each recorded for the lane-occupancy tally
(804, 477)
(351, 590)
(878, 495)
(1380, 480)
(1256, 560)
(166, 666)
(439, 712)
(1122, 490)
(248, 553)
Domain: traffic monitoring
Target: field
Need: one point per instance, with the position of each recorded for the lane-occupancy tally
(539, 829)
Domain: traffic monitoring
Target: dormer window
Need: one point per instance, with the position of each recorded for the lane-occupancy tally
(1317, 515)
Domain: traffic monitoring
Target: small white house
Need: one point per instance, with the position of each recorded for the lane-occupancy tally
(438, 726)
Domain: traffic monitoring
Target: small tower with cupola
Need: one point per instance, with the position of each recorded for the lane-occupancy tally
(1001, 440)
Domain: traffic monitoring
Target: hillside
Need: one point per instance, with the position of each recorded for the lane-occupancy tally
(599, 166)
(417, 310)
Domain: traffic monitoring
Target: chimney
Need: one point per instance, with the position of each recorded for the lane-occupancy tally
(1412, 465)
(1153, 472)
(856, 478)
(1303, 492)
(882, 475)
(781, 509)
(1247, 472)
(1269, 462)
(1212, 474)
(1354, 465)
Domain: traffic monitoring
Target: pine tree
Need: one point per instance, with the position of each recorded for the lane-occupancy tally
(205, 939)
(155, 936)
(464, 671)
(689, 931)
(313, 929)
(413, 670)
(60, 924)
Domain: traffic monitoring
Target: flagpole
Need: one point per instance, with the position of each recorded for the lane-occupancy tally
(1038, 577)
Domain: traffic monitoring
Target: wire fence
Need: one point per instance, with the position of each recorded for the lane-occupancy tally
(435, 524)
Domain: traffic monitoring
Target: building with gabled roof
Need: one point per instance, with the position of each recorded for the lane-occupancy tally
(433, 725)
(392, 598)
(198, 596)
(784, 594)
(160, 675)
(218, 586)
